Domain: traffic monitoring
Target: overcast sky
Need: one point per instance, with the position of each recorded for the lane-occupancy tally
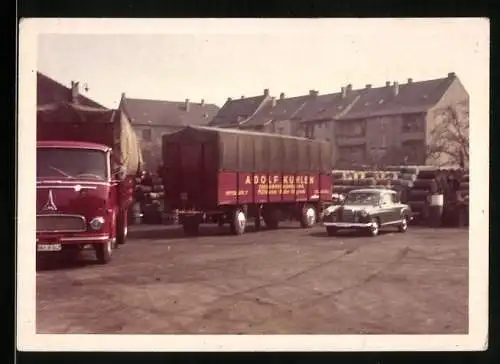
(217, 59)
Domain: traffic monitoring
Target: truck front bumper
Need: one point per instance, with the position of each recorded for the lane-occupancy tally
(55, 243)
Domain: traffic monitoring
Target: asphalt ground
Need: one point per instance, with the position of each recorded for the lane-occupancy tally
(285, 281)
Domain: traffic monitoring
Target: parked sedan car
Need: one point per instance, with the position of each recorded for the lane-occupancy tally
(368, 210)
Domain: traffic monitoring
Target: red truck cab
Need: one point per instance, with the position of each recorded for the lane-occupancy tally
(80, 200)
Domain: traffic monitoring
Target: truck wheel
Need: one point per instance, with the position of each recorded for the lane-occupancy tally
(239, 222)
(121, 227)
(191, 226)
(103, 252)
(331, 230)
(271, 218)
(308, 216)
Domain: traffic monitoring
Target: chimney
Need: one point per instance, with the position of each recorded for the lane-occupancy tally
(266, 92)
(242, 97)
(186, 105)
(273, 101)
(313, 93)
(349, 88)
(451, 74)
(395, 88)
(343, 92)
(410, 80)
(75, 92)
(387, 83)
(202, 102)
(368, 85)
(282, 96)
(229, 99)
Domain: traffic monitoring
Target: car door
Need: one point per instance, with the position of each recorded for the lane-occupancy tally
(386, 208)
(395, 213)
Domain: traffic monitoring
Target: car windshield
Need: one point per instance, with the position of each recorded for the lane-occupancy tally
(362, 198)
(71, 163)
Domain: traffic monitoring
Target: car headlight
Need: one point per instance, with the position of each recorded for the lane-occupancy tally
(363, 213)
(97, 222)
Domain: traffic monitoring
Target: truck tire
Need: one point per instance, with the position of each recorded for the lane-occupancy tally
(271, 217)
(331, 230)
(103, 252)
(308, 216)
(121, 227)
(238, 222)
(191, 226)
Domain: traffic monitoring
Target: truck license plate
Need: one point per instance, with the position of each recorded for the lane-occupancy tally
(48, 247)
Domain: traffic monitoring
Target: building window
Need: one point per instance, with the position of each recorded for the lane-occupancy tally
(146, 135)
(412, 124)
(351, 128)
(413, 151)
(309, 131)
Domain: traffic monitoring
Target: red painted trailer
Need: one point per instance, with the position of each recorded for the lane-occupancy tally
(228, 176)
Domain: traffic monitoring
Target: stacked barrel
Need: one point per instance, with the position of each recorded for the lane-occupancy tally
(348, 180)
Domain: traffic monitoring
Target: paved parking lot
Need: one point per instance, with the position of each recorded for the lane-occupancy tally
(288, 281)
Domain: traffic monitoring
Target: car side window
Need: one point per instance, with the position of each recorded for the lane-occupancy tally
(394, 198)
(386, 199)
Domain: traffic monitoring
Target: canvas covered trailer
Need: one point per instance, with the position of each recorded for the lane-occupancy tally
(208, 170)
(66, 121)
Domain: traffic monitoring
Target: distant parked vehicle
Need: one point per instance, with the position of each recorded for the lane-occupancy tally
(368, 210)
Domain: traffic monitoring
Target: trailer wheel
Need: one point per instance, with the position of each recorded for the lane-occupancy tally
(191, 226)
(239, 222)
(271, 217)
(103, 252)
(308, 216)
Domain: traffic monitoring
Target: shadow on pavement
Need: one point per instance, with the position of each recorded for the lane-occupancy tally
(347, 234)
(171, 232)
(64, 262)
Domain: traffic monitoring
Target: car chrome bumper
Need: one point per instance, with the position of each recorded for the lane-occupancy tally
(347, 225)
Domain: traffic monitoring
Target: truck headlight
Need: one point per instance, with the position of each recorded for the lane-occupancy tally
(97, 222)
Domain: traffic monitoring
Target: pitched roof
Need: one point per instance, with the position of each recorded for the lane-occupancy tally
(357, 103)
(330, 106)
(242, 108)
(50, 91)
(411, 97)
(159, 112)
(284, 109)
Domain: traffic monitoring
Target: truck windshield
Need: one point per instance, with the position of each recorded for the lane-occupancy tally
(362, 198)
(71, 163)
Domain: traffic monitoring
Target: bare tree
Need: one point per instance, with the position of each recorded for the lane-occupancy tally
(449, 139)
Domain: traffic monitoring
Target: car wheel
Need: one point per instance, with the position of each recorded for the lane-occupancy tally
(403, 226)
(331, 230)
(374, 229)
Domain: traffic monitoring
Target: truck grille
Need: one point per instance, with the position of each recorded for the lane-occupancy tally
(60, 223)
